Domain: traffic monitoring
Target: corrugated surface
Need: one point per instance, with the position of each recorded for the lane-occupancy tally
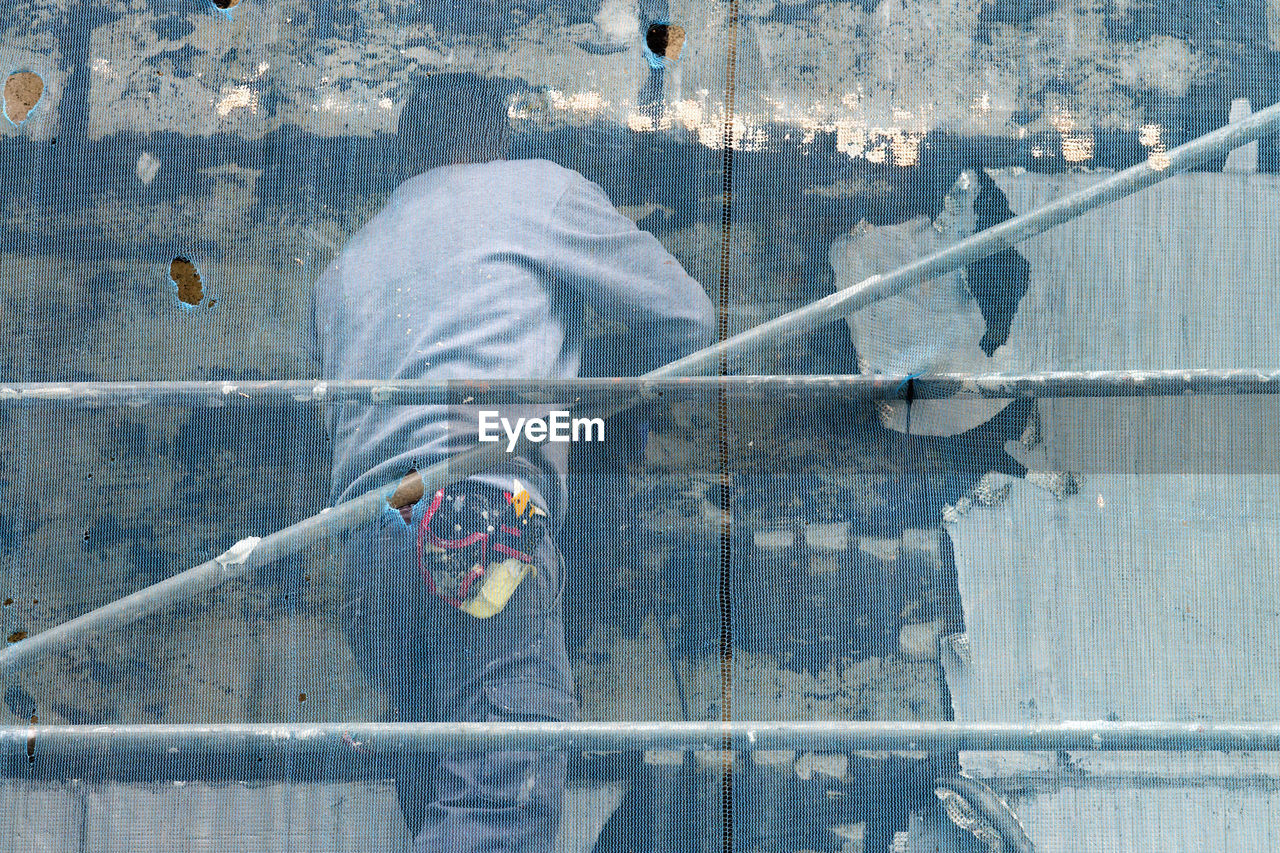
(1150, 593)
(40, 817)
(170, 817)
(1166, 278)
(1137, 598)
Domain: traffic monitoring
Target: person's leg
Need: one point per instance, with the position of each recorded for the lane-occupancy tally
(512, 666)
(434, 662)
(501, 801)
(381, 592)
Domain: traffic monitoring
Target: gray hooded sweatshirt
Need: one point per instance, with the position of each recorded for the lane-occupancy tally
(484, 271)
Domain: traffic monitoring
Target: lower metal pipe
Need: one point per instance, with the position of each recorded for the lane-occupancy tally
(389, 739)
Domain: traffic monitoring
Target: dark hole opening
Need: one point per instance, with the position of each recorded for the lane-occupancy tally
(665, 39)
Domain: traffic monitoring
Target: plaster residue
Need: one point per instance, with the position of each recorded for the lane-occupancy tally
(233, 98)
(627, 676)
(618, 21)
(1150, 137)
(148, 166)
(881, 80)
(1163, 63)
(205, 76)
(878, 79)
(867, 689)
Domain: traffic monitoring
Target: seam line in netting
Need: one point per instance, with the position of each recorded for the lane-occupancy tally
(725, 501)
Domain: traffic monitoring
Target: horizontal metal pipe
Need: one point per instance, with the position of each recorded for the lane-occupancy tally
(251, 741)
(713, 359)
(416, 392)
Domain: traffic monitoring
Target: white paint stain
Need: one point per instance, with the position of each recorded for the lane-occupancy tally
(1149, 136)
(1077, 147)
(148, 167)
(619, 21)
(239, 552)
(236, 98)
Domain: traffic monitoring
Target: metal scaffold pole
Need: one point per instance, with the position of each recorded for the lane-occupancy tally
(479, 392)
(377, 740)
(251, 554)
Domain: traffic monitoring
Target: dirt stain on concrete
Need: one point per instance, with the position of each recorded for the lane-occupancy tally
(22, 92)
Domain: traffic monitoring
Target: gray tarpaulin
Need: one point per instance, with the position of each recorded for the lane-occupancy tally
(1137, 598)
(174, 178)
(1130, 576)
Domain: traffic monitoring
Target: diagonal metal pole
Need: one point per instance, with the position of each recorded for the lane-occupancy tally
(250, 554)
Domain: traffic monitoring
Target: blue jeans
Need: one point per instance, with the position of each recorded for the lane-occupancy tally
(434, 662)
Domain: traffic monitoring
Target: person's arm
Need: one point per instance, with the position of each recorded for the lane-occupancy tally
(627, 277)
